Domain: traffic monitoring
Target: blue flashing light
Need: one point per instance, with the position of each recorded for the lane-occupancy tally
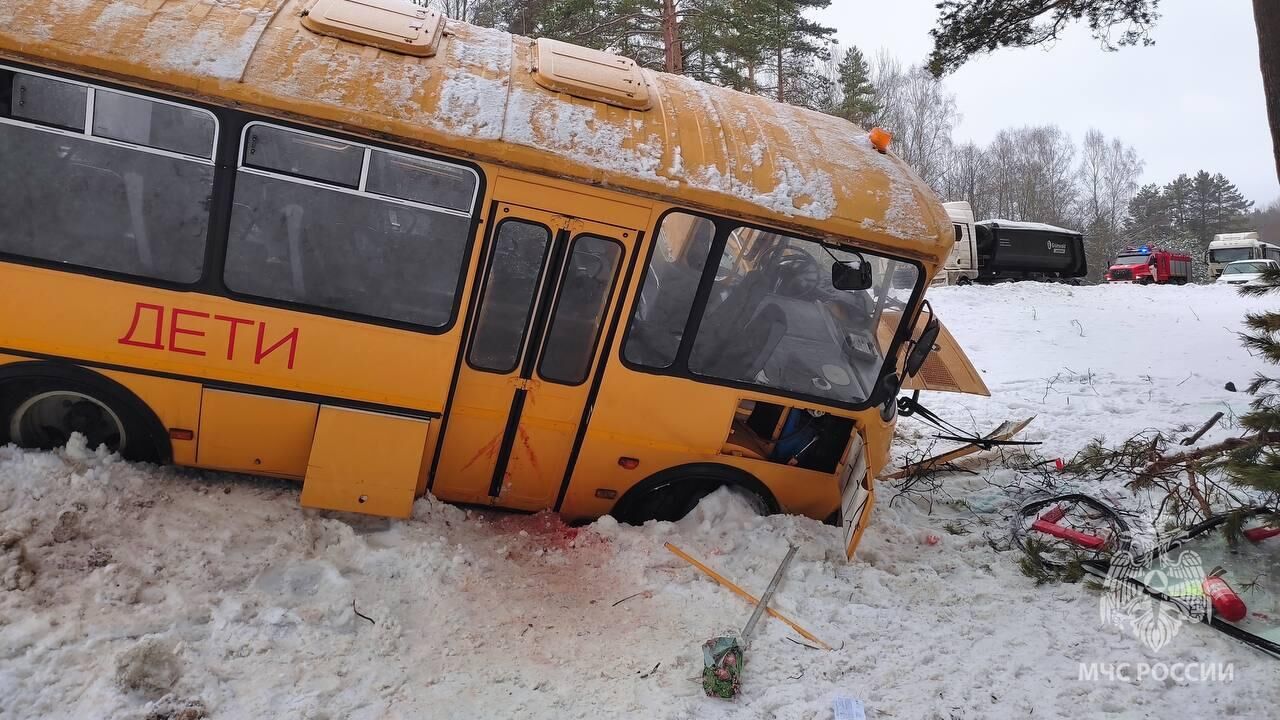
(1144, 250)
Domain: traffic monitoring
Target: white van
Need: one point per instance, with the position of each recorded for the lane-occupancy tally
(961, 267)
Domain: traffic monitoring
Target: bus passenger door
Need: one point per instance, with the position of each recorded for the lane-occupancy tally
(548, 288)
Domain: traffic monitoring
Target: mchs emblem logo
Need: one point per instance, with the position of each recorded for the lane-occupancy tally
(1153, 622)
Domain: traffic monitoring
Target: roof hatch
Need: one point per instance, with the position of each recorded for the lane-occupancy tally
(395, 25)
(590, 74)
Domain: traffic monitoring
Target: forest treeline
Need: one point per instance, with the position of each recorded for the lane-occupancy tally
(774, 48)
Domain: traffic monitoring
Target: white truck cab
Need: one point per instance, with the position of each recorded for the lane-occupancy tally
(1232, 247)
(961, 267)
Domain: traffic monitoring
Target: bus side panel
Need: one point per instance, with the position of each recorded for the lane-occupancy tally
(208, 337)
(664, 422)
(175, 402)
(256, 434)
(660, 421)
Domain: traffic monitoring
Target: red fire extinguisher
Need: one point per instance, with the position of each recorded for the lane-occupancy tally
(1226, 603)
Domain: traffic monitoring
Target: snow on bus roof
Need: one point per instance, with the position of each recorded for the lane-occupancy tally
(699, 145)
(1018, 225)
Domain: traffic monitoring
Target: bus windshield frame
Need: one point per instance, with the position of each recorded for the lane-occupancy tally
(757, 311)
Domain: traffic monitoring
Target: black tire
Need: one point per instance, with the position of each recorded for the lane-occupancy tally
(964, 281)
(672, 494)
(1145, 281)
(140, 430)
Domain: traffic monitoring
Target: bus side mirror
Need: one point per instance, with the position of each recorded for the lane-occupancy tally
(923, 346)
(854, 275)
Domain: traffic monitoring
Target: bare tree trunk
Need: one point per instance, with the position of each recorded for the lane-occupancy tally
(782, 95)
(1266, 14)
(671, 38)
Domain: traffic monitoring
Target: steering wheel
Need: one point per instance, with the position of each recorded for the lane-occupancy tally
(798, 274)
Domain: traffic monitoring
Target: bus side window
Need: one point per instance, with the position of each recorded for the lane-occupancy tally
(158, 125)
(47, 101)
(675, 271)
(306, 229)
(67, 196)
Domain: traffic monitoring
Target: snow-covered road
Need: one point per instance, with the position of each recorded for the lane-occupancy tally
(217, 595)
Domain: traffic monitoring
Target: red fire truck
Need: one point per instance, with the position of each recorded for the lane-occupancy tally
(1146, 265)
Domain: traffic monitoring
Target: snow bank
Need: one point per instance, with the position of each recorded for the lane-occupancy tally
(164, 591)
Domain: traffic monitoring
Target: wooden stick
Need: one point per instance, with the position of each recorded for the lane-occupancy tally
(768, 595)
(1191, 439)
(744, 594)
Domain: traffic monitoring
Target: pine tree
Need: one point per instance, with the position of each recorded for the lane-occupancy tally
(780, 47)
(1177, 196)
(966, 28)
(857, 94)
(1186, 214)
(1208, 205)
(1149, 221)
(1228, 208)
(1258, 464)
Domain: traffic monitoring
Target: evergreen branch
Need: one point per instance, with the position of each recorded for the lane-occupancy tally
(1267, 283)
(611, 23)
(1192, 456)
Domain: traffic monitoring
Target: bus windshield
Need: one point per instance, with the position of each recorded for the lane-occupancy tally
(1226, 255)
(772, 317)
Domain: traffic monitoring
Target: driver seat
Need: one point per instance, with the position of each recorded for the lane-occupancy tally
(759, 339)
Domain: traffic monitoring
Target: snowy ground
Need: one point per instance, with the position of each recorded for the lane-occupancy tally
(208, 591)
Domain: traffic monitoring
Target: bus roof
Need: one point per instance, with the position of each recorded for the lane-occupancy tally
(699, 145)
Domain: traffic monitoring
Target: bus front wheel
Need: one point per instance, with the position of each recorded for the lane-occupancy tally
(672, 494)
(42, 414)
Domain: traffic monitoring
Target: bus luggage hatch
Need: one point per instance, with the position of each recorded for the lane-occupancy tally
(365, 462)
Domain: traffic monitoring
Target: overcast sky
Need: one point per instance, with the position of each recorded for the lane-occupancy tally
(1192, 101)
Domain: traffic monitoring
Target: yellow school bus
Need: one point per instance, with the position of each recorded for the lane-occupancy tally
(360, 245)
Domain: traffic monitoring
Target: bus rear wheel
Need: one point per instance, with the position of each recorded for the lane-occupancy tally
(43, 414)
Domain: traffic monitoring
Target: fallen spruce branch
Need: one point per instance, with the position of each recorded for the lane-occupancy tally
(1164, 464)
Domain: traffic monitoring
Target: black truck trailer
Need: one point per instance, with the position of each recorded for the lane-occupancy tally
(1010, 250)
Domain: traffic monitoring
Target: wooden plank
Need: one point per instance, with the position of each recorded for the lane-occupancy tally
(1005, 431)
